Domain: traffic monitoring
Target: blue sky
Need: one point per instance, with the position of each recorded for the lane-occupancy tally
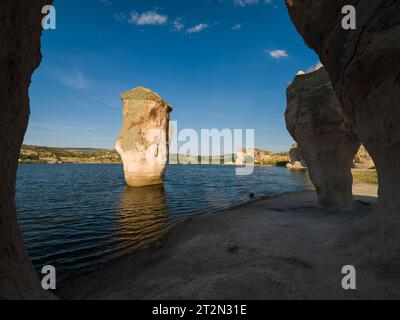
(220, 63)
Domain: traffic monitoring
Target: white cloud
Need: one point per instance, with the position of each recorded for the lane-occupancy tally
(120, 17)
(177, 24)
(237, 27)
(278, 54)
(148, 18)
(246, 3)
(197, 28)
(74, 78)
(105, 2)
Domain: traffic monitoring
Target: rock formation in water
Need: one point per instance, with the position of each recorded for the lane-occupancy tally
(364, 68)
(143, 142)
(19, 56)
(296, 158)
(315, 119)
(362, 160)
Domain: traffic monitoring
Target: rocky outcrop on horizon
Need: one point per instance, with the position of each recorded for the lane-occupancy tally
(328, 142)
(364, 68)
(143, 142)
(256, 156)
(363, 160)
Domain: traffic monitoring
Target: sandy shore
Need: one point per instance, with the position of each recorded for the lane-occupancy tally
(284, 248)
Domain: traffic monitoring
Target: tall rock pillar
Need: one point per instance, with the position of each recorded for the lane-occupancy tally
(143, 142)
(364, 68)
(315, 119)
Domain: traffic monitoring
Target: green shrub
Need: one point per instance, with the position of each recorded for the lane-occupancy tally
(366, 177)
(282, 163)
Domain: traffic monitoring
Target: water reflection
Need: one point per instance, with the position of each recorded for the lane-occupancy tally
(76, 229)
(143, 216)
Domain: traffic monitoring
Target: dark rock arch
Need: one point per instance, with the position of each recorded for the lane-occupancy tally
(314, 117)
(364, 67)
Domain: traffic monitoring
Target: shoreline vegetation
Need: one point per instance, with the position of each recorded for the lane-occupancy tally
(48, 155)
(368, 176)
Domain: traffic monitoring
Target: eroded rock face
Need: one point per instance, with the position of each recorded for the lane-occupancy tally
(143, 142)
(364, 67)
(363, 160)
(20, 34)
(296, 158)
(314, 117)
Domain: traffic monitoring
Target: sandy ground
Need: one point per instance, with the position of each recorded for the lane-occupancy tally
(284, 248)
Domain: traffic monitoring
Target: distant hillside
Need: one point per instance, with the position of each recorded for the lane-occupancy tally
(34, 154)
(37, 155)
(183, 159)
(262, 157)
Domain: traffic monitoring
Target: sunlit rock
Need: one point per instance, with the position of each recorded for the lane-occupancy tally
(364, 68)
(296, 158)
(328, 142)
(363, 160)
(143, 142)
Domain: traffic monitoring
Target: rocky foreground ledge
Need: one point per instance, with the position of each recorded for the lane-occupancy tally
(284, 248)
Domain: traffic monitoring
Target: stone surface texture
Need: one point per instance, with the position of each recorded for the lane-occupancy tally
(296, 158)
(20, 35)
(143, 142)
(364, 67)
(315, 119)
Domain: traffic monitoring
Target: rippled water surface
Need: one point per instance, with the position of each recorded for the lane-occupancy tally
(76, 217)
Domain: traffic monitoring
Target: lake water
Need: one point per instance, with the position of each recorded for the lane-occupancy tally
(76, 217)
